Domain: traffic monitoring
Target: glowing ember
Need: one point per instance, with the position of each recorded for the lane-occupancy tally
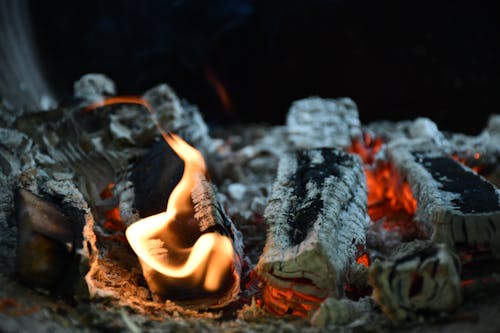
(178, 261)
(287, 301)
(113, 218)
(363, 260)
(389, 197)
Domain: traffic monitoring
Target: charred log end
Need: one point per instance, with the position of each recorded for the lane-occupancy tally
(50, 251)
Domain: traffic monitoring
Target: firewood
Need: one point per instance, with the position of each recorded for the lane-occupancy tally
(316, 219)
(455, 204)
(317, 122)
(420, 277)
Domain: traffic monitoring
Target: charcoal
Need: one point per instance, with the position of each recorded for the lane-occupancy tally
(50, 242)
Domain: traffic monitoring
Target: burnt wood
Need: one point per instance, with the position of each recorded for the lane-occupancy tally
(455, 204)
(316, 219)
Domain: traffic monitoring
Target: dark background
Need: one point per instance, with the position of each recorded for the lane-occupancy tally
(396, 59)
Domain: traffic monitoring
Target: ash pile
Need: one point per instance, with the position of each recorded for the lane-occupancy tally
(334, 223)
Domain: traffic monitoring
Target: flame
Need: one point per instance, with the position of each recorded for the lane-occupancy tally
(176, 258)
(219, 89)
(118, 100)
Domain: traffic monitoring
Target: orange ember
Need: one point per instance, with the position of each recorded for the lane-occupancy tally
(363, 260)
(389, 197)
(113, 219)
(366, 148)
(288, 301)
(468, 161)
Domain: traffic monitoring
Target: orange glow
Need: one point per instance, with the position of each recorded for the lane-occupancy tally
(176, 258)
(363, 260)
(466, 282)
(113, 218)
(366, 148)
(219, 89)
(288, 301)
(470, 162)
(118, 100)
(389, 197)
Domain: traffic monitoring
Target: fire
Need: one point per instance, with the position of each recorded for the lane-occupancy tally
(389, 196)
(177, 259)
(118, 100)
(363, 259)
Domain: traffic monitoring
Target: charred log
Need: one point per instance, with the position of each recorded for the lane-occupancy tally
(50, 242)
(316, 219)
(453, 202)
(154, 177)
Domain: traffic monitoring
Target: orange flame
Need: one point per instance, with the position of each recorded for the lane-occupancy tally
(219, 89)
(176, 258)
(118, 100)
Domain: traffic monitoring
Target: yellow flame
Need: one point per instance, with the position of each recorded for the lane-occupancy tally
(173, 252)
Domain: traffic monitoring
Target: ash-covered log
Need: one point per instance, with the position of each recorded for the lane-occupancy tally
(419, 277)
(316, 220)
(319, 122)
(455, 204)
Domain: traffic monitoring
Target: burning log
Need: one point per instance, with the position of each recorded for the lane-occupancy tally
(316, 220)
(317, 122)
(419, 277)
(192, 252)
(456, 204)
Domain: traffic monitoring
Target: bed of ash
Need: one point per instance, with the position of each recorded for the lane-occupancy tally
(242, 161)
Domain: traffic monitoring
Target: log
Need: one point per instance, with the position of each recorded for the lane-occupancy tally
(317, 122)
(50, 242)
(420, 277)
(316, 219)
(455, 204)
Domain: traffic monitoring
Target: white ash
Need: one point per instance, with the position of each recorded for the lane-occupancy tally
(93, 87)
(342, 312)
(319, 122)
(419, 278)
(184, 120)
